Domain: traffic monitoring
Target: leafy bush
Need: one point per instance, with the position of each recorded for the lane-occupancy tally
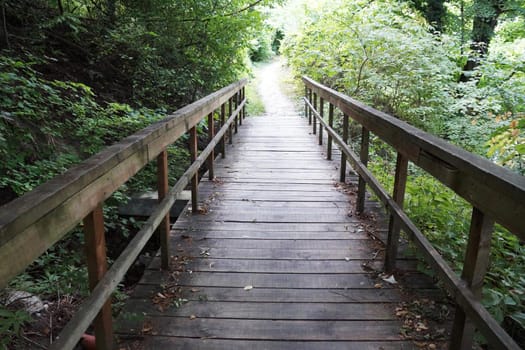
(380, 53)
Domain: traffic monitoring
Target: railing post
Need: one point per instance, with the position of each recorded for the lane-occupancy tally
(211, 134)
(95, 244)
(309, 110)
(162, 189)
(400, 181)
(244, 98)
(363, 155)
(321, 112)
(195, 178)
(240, 99)
(474, 270)
(236, 104)
(314, 118)
(230, 132)
(305, 104)
(342, 175)
(331, 124)
(223, 120)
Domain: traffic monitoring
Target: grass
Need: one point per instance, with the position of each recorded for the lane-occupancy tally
(254, 104)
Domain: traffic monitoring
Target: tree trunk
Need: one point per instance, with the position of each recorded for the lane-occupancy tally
(483, 26)
(111, 9)
(4, 35)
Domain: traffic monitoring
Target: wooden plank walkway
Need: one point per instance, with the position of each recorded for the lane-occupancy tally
(275, 260)
(274, 221)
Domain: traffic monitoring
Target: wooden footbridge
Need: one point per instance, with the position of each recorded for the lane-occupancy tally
(276, 249)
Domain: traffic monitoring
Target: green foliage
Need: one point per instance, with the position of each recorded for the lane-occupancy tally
(11, 322)
(507, 145)
(380, 53)
(60, 270)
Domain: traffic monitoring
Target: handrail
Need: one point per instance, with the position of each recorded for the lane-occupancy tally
(472, 177)
(46, 214)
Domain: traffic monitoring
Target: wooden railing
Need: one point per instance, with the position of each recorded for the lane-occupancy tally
(496, 194)
(34, 222)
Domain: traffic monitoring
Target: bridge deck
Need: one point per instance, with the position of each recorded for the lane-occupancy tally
(275, 259)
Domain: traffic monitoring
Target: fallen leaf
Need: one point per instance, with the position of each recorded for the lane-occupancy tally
(248, 288)
(421, 327)
(391, 279)
(194, 290)
(146, 327)
(378, 285)
(192, 317)
(347, 258)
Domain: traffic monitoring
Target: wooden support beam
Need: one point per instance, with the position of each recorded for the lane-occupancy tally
(309, 110)
(474, 270)
(230, 130)
(241, 98)
(243, 112)
(223, 140)
(236, 103)
(314, 120)
(400, 181)
(321, 112)
(363, 156)
(305, 104)
(331, 124)
(162, 189)
(211, 134)
(342, 175)
(194, 178)
(95, 244)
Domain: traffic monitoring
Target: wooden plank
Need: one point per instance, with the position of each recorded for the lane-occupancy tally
(286, 295)
(223, 139)
(275, 330)
(331, 124)
(197, 235)
(211, 134)
(290, 244)
(342, 172)
(95, 244)
(477, 259)
(363, 157)
(195, 178)
(166, 342)
(400, 180)
(321, 112)
(267, 227)
(273, 280)
(285, 266)
(163, 188)
(269, 310)
(277, 253)
(219, 205)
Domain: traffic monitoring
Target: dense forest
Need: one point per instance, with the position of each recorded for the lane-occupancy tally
(78, 75)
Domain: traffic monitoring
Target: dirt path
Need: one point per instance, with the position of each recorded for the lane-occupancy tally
(272, 78)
